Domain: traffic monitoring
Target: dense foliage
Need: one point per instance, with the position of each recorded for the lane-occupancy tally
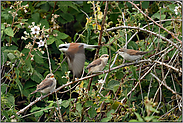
(31, 32)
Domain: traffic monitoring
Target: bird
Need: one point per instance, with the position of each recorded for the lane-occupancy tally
(47, 85)
(130, 54)
(98, 64)
(75, 54)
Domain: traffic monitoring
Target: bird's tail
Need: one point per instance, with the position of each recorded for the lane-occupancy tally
(34, 92)
(92, 46)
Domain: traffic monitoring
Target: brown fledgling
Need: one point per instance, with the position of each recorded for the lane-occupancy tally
(98, 64)
(130, 54)
(47, 85)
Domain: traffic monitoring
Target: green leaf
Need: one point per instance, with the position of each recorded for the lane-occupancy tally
(68, 17)
(145, 4)
(133, 69)
(112, 83)
(2, 26)
(4, 112)
(3, 88)
(51, 40)
(38, 58)
(35, 109)
(79, 107)
(37, 77)
(92, 112)
(9, 31)
(139, 117)
(65, 103)
(18, 81)
(35, 17)
(133, 121)
(60, 34)
(65, 4)
(149, 118)
(58, 42)
(88, 103)
(105, 119)
(103, 50)
(10, 56)
(11, 100)
(45, 23)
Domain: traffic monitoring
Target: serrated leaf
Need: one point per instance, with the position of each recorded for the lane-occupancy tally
(45, 23)
(51, 39)
(79, 107)
(60, 35)
(37, 77)
(92, 112)
(38, 58)
(9, 31)
(10, 56)
(112, 83)
(103, 50)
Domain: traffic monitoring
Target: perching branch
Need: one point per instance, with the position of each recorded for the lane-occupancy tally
(72, 82)
(153, 33)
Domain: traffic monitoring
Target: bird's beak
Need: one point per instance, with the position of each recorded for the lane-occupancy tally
(116, 52)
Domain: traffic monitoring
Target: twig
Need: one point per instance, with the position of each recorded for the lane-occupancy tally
(102, 28)
(161, 63)
(72, 82)
(130, 27)
(155, 22)
(165, 85)
(48, 58)
(59, 115)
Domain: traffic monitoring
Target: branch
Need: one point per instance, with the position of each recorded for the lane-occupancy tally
(102, 28)
(166, 86)
(130, 27)
(161, 63)
(72, 82)
(155, 22)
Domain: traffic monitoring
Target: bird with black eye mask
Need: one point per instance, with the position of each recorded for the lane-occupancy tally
(75, 54)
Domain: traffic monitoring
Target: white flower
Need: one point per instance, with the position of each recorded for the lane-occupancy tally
(35, 30)
(40, 44)
(25, 11)
(33, 23)
(9, 11)
(175, 10)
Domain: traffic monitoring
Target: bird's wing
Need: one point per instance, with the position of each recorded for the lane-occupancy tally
(79, 61)
(44, 84)
(135, 52)
(94, 63)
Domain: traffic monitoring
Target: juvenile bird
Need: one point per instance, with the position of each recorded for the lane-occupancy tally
(130, 54)
(75, 54)
(47, 85)
(98, 64)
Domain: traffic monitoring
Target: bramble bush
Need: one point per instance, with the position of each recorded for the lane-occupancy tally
(150, 90)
